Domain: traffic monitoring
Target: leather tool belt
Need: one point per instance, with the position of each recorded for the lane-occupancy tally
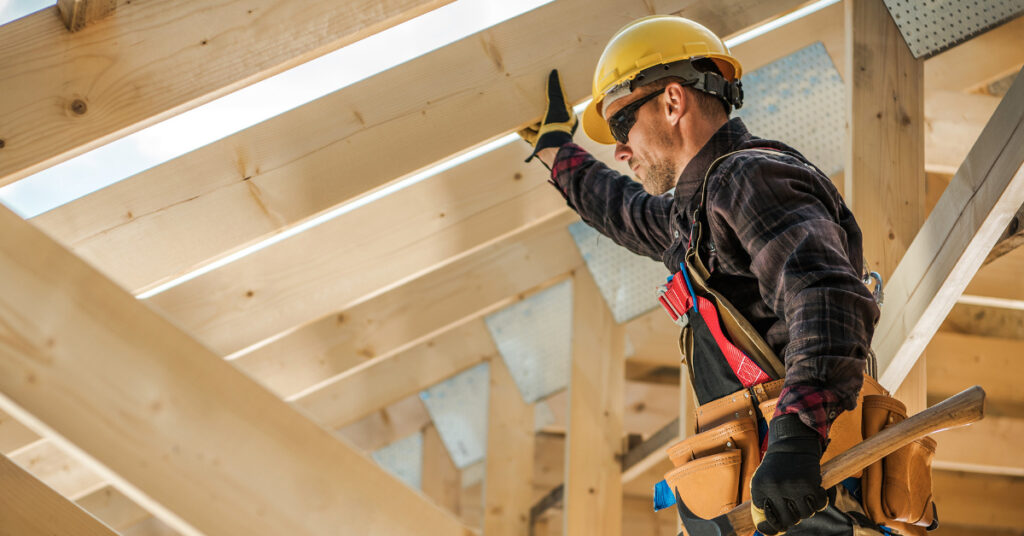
(712, 469)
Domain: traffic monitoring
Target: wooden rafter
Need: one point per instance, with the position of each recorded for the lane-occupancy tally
(984, 194)
(65, 94)
(369, 250)
(366, 388)
(246, 186)
(79, 349)
(30, 508)
(407, 315)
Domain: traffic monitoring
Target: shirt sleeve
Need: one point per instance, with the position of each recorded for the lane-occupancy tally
(612, 203)
(785, 216)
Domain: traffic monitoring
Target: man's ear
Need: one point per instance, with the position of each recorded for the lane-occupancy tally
(676, 103)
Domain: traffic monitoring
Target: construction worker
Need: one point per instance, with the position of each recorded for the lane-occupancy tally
(778, 241)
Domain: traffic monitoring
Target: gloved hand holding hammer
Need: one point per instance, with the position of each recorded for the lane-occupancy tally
(786, 488)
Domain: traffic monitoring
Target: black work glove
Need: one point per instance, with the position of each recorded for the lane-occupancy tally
(559, 122)
(786, 488)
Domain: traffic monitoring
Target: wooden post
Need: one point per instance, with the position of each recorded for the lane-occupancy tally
(508, 483)
(441, 480)
(78, 13)
(593, 474)
(884, 173)
(31, 508)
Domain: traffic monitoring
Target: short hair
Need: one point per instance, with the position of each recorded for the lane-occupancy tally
(711, 106)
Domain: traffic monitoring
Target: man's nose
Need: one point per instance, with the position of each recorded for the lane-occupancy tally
(623, 152)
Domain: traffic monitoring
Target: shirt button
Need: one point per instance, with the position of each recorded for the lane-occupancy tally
(831, 415)
(676, 233)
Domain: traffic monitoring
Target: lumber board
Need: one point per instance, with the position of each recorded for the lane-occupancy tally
(373, 249)
(78, 13)
(250, 185)
(67, 93)
(593, 472)
(30, 508)
(509, 459)
(953, 122)
(440, 480)
(957, 361)
(985, 321)
(1000, 278)
(392, 322)
(974, 210)
(113, 508)
(57, 469)
(387, 425)
(366, 388)
(76, 349)
(884, 172)
(988, 446)
(981, 500)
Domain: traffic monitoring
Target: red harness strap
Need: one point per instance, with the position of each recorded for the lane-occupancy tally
(676, 300)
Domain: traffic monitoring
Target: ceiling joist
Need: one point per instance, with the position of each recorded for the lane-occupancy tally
(66, 93)
(250, 185)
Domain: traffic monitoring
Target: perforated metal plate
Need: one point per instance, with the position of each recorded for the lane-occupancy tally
(458, 407)
(626, 281)
(931, 26)
(799, 100)
(534, 338)
(404, 459)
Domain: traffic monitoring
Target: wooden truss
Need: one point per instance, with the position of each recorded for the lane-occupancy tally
(239, 401)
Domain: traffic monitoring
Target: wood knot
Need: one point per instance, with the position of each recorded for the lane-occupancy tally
(79, 107)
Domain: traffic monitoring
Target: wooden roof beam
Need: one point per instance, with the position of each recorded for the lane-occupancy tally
(66, 93)
(407, 315)
(984, 194)
(30, 508)
(248, 186)
(81, 349)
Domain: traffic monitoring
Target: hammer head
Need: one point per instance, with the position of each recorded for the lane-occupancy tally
(698, 526)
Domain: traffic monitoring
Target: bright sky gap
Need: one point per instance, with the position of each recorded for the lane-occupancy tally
(176, 136)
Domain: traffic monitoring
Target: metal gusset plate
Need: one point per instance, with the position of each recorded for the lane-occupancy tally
(931, 26)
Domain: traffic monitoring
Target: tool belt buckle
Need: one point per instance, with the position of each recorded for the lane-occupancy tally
(680, 319)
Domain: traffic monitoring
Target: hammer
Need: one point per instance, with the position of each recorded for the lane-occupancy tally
(958, 410)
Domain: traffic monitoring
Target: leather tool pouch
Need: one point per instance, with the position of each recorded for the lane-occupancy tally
(713, 468)
(897, 490)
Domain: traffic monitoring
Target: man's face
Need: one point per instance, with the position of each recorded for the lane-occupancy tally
(648, 147)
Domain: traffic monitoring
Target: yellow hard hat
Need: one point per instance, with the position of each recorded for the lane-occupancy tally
(649, 42)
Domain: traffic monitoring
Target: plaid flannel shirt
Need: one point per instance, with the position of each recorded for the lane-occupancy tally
(783, 248)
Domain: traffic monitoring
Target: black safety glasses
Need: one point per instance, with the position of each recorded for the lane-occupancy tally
(622, 122)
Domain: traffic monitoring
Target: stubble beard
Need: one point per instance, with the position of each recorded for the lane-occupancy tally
(660, 177)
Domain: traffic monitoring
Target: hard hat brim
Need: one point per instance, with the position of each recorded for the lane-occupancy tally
(595, 126)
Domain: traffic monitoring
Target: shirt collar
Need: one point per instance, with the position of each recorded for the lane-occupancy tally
(726, 139)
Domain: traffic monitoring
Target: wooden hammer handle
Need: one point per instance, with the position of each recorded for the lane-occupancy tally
(958, 410)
